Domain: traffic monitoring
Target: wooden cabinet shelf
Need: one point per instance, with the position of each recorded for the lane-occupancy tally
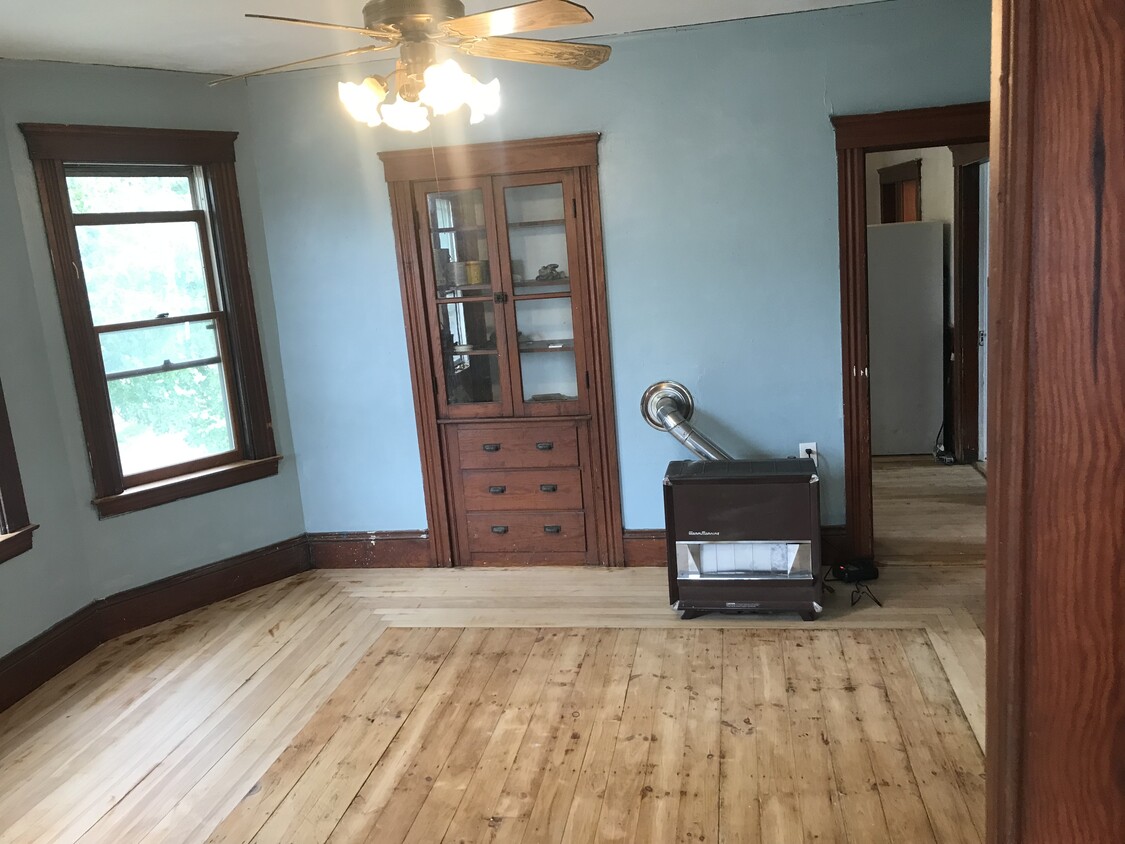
(517, 433)
(547, 346)
(533, 224)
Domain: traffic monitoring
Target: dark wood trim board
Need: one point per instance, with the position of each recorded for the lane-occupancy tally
(33, 663)
(1055, 635)
(371, 550)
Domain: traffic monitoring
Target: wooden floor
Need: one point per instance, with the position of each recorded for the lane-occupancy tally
(501, 705)
(925, 512)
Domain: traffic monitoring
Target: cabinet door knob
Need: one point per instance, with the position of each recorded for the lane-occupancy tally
(548, 487)
(499, 528)
(552, 528)
(544, 446)
(491, 446)
(497, 490)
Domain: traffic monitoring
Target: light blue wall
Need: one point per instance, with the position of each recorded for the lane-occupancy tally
(718, 186)
(77, 558)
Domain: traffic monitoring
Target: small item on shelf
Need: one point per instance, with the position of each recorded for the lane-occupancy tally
(468, 273)
(550, 272)
(553, 397)
(463, 347)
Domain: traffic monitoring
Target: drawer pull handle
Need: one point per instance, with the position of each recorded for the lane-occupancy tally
(545, 446)
(499, 528)
(552, 528)
(491, 446)
(548, 487)
(497, 490)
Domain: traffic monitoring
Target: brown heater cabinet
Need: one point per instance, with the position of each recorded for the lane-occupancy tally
(743, 535)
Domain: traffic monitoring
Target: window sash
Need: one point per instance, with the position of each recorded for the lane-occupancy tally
(200, 218)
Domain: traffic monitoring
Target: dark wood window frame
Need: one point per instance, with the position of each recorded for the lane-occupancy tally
(856, 136)
(50, 148)
(15, 526)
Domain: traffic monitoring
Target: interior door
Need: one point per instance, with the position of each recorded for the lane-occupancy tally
(465, 298)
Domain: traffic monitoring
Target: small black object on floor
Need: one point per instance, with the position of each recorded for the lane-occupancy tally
(857, 572)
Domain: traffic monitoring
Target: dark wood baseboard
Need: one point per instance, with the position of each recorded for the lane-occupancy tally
(37, 661)
(647, 547)
(370, 550)
(163, 599)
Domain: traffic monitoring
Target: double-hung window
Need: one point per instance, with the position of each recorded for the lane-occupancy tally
(15, 527)
(146, 238)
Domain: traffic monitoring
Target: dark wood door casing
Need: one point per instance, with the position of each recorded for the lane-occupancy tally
(573, 159)
(1056, 452)
(857, 135)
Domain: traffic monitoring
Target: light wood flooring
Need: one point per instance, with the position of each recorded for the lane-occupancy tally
(502, 705)
(927, 513)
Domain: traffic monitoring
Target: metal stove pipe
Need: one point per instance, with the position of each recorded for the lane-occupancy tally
(669, 406)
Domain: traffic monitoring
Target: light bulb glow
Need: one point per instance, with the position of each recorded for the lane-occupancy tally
(447, 87)
(362, 101)
(483, 100)
(405, 116)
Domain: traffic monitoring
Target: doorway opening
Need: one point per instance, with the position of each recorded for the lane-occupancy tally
(926, 223)
(905, 197)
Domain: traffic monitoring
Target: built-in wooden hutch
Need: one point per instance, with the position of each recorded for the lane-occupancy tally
(500, 259)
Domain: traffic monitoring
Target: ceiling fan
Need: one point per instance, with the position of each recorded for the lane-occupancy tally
(424, 86)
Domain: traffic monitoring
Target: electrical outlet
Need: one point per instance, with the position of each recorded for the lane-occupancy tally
(803, 451)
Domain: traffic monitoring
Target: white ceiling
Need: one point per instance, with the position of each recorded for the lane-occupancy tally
(213, 36)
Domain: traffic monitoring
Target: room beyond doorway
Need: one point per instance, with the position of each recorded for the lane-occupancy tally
(856, 136)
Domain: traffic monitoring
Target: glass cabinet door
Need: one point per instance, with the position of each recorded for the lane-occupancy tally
(469, 331)
(539, 239)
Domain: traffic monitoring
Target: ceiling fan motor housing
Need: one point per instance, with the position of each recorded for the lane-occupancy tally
(412, 16)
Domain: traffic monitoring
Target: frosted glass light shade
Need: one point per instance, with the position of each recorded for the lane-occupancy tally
(362, 101)
(405, 116)
(447, 87)
(484, 100)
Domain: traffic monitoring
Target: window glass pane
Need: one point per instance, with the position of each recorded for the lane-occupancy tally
(172, 417)
(466, 326)
(460, 243)
(537, 239)
(546, 340)
(535, 203)
(140, 271)
(472, 378)
(162, 345)
(112, 194)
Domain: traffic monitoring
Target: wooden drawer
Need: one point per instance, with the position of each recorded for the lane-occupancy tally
(522, 489)
(526, 532)
(536, 444)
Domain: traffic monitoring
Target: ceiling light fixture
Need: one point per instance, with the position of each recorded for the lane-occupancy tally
(425, 88)
(444, 88)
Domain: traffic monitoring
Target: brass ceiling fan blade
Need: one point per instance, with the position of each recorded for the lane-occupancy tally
(554, 53)
(387, 33)
(526, 17)
(369, 48)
